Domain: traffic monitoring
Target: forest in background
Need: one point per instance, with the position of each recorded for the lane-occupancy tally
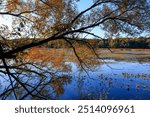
(95, 43)
(106, 43)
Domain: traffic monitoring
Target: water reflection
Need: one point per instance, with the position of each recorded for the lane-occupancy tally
(108, 83)
(111, 79)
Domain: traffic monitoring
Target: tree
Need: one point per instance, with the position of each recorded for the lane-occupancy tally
(36, 22)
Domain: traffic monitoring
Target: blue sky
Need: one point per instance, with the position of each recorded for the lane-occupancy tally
(84, 4)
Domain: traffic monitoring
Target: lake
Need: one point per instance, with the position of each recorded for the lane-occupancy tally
(111, 79)
(116, 80)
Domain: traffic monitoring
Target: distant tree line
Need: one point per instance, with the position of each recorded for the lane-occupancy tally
(128, 43)
(95, 43)
(107, 43)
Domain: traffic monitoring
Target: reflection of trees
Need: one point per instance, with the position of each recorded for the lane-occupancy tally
(58, 83)
(33, 76)
(37, 69)
(35, 85)
(84, 56)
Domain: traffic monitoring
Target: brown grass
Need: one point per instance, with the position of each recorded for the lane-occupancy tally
(44, 56)
(58, 56)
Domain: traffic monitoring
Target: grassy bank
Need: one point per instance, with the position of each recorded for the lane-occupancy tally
(125, 54)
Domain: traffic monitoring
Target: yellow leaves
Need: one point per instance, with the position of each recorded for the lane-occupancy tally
(45, 17)
(18, 6)
(47, 14)
(13, 4)
(45, 8)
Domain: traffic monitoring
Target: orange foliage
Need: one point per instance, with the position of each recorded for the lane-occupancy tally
(45, 56)
(12, 4)
(58, 83)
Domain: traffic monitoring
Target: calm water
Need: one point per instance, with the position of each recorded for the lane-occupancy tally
(114, 80)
